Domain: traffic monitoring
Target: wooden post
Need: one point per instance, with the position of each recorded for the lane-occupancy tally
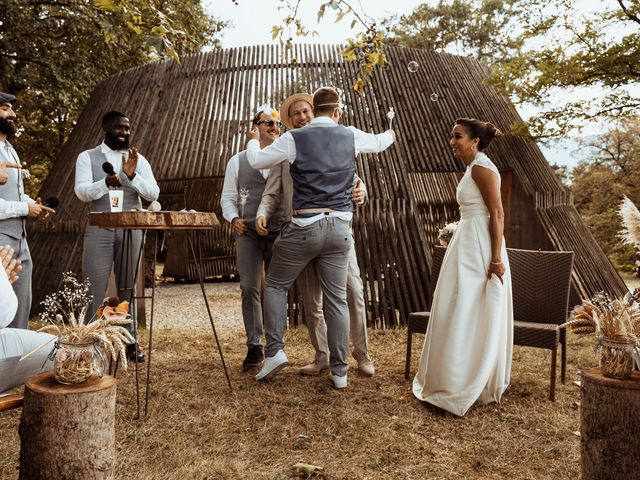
(609, 426)
(68, 431)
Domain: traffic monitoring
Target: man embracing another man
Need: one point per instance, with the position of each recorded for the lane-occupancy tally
(322, 157)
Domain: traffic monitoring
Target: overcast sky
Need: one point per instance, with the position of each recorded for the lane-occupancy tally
(252, 20)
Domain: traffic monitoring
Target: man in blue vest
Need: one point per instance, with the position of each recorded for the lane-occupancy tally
(241, 194)
(130, 173)
(323, 158)
(17, 206)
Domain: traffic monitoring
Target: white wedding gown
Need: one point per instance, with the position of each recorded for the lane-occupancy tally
(467, 349)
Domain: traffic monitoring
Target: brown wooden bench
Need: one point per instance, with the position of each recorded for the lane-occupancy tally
(9, 402)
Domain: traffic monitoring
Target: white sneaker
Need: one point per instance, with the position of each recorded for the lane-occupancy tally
(314, 369)
(339, 382)
(271, 365)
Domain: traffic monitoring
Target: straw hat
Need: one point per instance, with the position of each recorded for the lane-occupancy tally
(284, 109)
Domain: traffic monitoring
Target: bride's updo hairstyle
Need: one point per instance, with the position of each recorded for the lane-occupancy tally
(485, 131)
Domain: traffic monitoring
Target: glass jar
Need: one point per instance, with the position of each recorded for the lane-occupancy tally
(76, 362)
(616, 357)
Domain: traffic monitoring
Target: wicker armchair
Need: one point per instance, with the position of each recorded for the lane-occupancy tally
(541, 283)
(417, 322)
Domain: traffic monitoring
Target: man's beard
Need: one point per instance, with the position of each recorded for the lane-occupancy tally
(114, 141)
(8, 128)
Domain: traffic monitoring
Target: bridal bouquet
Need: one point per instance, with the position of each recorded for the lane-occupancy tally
(446, 233)
(79, 339)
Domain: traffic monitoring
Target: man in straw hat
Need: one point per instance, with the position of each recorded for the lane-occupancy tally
(241, 195)
(323, 158)
(296, 112)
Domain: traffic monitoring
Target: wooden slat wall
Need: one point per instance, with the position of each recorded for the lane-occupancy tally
(188, 119)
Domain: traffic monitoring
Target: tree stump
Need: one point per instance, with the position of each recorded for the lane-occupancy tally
(609, 426)
(68, 431)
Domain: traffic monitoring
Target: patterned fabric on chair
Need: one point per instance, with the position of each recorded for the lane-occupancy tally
(541, 282)
(417, 321)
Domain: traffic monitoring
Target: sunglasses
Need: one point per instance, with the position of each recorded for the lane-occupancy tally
(270, 123)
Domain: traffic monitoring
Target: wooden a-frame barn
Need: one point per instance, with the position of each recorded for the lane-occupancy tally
(189, 118)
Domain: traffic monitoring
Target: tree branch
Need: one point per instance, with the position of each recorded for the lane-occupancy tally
(629, 15)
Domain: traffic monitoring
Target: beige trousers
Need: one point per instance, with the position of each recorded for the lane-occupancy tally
(311, 295)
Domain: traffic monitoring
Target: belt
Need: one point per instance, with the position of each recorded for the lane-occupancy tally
(307, 211)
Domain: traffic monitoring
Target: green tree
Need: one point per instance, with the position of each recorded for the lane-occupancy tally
(568, 49)
(53, 54)
(611, 170)
(486, 30)
(541, 52)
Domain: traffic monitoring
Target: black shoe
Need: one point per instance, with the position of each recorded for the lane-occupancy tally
(254, 357)
(131, 354)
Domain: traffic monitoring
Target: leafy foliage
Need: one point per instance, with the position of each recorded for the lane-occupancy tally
(542, 52)
(53, 54)
(611, 171)
(485, 30)
(569, 49)
(365, 48)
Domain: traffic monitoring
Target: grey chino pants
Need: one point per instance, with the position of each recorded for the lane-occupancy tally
(326, 242)
(22, 287)
(252, 253)
(311, 294)
(102, 249)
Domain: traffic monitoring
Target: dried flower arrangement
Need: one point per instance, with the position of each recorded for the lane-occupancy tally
(65, 315)
(616, 323)
(445, 234)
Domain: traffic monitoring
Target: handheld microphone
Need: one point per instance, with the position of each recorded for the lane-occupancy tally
(108, 168)
(51, 202)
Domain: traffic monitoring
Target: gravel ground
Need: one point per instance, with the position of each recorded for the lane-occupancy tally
(180, 305)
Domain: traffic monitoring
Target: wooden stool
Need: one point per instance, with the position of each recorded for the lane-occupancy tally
(68, 431)
(609, 426)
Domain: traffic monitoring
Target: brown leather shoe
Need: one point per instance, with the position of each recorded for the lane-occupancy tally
(365, 366)
(314, 369)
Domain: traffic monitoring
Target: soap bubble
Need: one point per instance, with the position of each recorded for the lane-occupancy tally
(434, 97)
(413, 66)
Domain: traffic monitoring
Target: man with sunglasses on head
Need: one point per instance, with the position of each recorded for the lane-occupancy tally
(323, 159)
(241, 194)
(296, 112)
(17, 206)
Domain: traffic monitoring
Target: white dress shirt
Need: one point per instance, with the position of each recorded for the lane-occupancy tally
(12, 209)
(284, 148)
(8, 299)
(87, 190)
(230, 188)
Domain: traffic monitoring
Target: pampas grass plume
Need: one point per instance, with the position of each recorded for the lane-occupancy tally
(631, 220)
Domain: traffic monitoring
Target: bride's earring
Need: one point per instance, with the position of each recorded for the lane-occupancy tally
(473, 148)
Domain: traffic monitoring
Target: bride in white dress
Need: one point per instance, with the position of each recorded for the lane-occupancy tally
(467, 349)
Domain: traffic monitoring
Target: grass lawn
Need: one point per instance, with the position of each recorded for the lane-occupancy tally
(375, 429)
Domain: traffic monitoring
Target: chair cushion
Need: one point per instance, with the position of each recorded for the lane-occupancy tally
(541, 335)
(418, 322)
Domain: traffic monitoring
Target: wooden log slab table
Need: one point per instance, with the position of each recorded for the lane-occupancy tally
(610, 426)
(143, 220)
(68, 431)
